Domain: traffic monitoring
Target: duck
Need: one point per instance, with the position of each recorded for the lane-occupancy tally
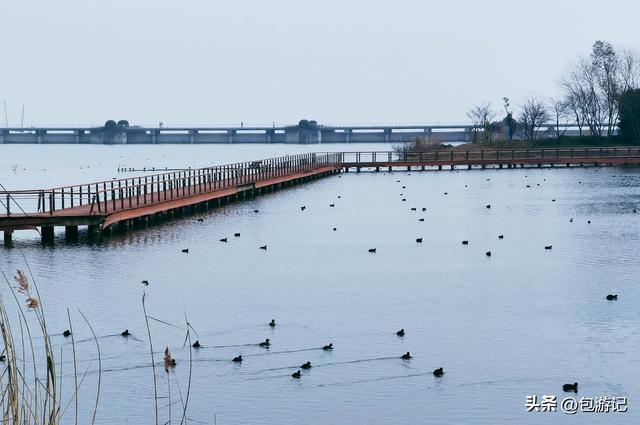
(272, 323)
(419, 240)
(400, 332)
(173, 363)
(570, 387)
(186, 250)
(302, 208)
(406, 356)
(256, 211)
(3, 358)
(66, 333)
(488, 253)
(265, 344)
(421, 219)
(548, 247)
(423, 209)
(263, 247)
(438, 372)
(404, 199)
(145, 282)
(339, 197)
(413, 209)
(125, 333)
(296, 375)
(446, 193)
(588, 221)
(237, 359)
(307, 365)
(223, 240)
(489, 206)
(571, 220)
(612, 297)
(335, 228)
(372, 250)
(404, 187)
(237, 235)
(465, 242)
(501, 237)
(332, 205)
(196, 344)
(328, 347)
(200, 220)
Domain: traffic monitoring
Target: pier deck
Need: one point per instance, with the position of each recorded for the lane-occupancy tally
(154, 197)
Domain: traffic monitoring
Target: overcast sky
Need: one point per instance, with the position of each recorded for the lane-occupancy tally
(207, 62)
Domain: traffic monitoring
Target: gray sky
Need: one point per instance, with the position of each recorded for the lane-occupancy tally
(206, 62)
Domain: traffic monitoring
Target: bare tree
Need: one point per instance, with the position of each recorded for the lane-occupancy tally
(481, 117)
(533, 116)
(629, 70)
(560, 113)
(606, 70)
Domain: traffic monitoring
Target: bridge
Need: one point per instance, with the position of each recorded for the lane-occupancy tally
(305, 132)
(122, 204)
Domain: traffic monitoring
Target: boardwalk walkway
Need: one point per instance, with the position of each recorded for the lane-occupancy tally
(155, 197)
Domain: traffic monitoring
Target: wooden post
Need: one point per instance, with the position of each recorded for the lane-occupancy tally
(8, 241)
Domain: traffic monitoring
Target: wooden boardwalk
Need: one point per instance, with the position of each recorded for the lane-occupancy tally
(155, 197)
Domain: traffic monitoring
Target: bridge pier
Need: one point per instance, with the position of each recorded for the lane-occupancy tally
(46, 234)
(71, 233)
(8, 238)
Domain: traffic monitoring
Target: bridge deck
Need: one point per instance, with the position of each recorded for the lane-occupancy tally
(102, 204)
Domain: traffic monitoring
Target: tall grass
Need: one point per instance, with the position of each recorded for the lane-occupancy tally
(31, 382)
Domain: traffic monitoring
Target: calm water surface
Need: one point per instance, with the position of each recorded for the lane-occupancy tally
(522, 322)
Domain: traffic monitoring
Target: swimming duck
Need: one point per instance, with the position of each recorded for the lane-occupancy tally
(186, 250)
(406, 356)
(200, 220)
(265, 344)
(196, 344)
(223, 240)
(66, 333)
(404, 199)
(272, 323)
(255, 211)
(335, 228)
(488, 253)
(413, 209)
(488, 205)
(421, 219)
(145, 282)
(400, 332)
(263, 247)
(296, 375)
(307, 365)
(332, 205)
(328, 347)
(465, 242)
(423, 209)
(570, 387)
(501, 237)
(372, 249)
(548, 247)
(238, 359)
(438, 372)
(302, 208)
(125, 333)
(237, 235)
(612, 297)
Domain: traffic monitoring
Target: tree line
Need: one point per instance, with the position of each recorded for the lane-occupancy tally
(600, 95)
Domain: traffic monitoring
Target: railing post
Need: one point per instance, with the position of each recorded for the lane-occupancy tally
(8, 205)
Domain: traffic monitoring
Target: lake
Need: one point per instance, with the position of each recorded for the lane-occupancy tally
(522, 322)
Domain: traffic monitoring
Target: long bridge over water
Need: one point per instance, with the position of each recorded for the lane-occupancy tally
(123, 204)
(305, 132)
